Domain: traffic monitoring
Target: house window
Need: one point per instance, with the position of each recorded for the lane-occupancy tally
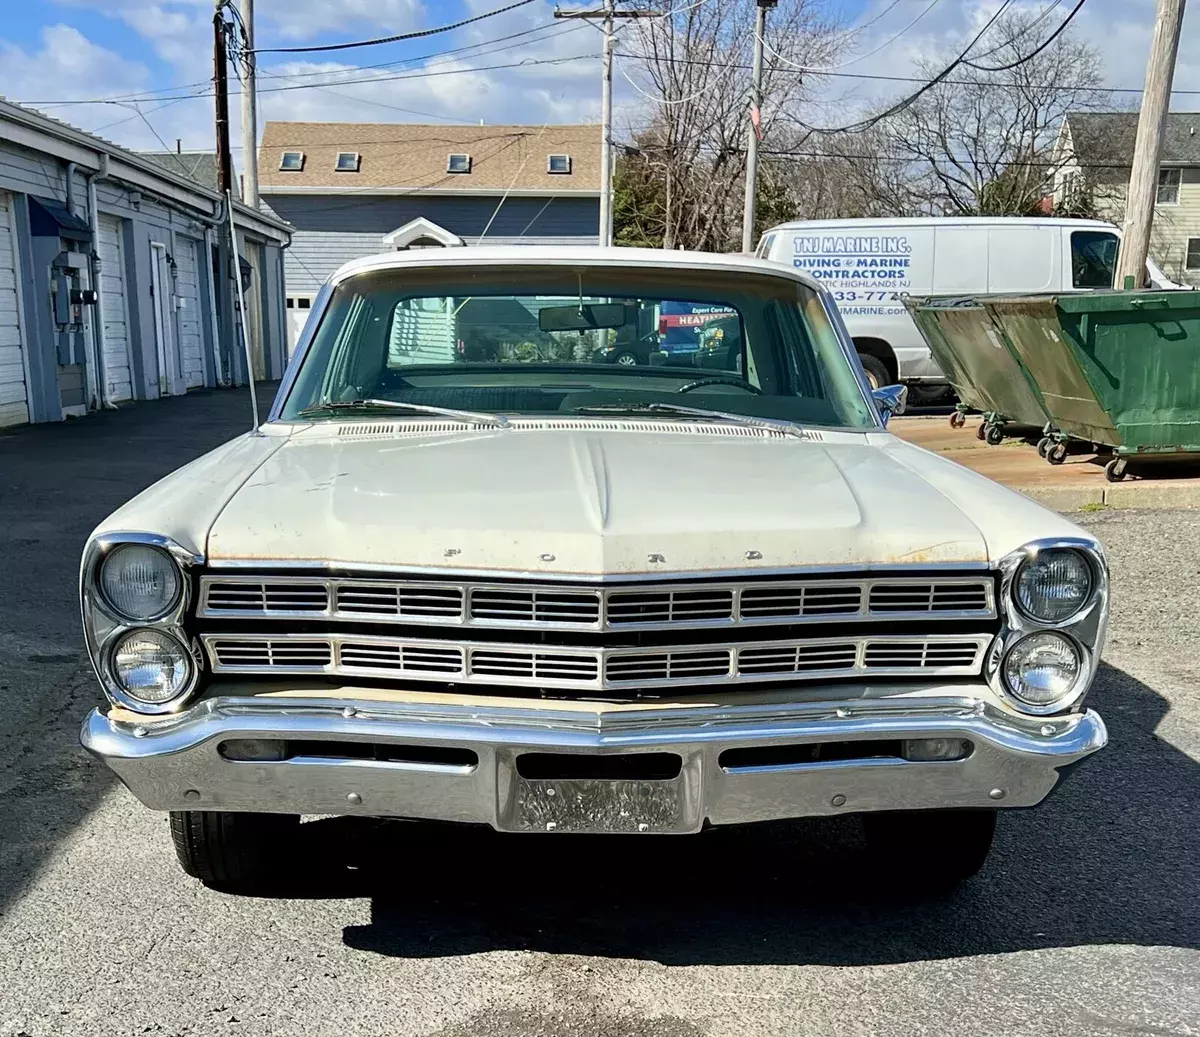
(347, 162)
(304, 303)
(292, 161)
(459, 164)
(558, 163)
(1168, 186)
(1193, 254)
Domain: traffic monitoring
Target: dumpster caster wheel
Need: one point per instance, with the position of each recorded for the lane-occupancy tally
(1044, 445)
(994, 435)
(981, 431)
(1114, 471)
(958, 419)
(1057, 453)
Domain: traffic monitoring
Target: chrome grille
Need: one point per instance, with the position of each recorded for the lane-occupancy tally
(644, 606)
(271, 654)
(541, 606)
(599, 668)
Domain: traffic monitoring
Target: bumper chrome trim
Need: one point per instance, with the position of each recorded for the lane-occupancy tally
(175, 764)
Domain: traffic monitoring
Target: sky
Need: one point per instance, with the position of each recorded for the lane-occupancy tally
(56, 51)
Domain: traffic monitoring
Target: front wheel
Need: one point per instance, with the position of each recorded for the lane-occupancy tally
(625, 360)
(930, 850)
(232, 850)
(876, 371)
(994, 435)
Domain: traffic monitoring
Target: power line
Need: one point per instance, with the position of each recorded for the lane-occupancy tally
(418, 34)
(1036, 51)
(862, 57)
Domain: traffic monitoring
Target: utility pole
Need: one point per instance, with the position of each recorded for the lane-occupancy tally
(249, 109)
(755, 106)
(1143, 176)
(608, 14)
(221, 92)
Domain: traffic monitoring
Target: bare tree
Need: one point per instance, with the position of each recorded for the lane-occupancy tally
(983, 141)
(690, 159)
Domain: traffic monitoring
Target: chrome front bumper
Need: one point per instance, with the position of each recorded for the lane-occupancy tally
(176, 764)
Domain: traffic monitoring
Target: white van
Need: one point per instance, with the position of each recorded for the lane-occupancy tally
(869, 264)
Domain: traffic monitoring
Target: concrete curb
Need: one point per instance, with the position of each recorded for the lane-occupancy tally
(1160, 495)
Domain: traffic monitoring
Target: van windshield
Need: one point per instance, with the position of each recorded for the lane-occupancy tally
(554, 340)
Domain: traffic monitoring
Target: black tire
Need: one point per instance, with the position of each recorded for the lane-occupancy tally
(920, 395)
(625, 359)
(981, 430)
(1114, 471)
(994, 435)
(930, 850)
(1043, 445)
(229, 850)
(877, 372)
(1057, 453)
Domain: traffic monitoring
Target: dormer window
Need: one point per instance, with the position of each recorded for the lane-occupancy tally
(347, 162)
(459, 164)
(292, 161)
(558, 164)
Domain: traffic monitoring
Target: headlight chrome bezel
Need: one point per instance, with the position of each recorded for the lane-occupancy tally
(1085, 628)
(1031, 559)
(104, 625)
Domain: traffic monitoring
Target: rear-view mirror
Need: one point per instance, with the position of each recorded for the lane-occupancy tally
(585, 317)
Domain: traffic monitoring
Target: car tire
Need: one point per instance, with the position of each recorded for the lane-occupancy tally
(930, 850)
(920, 395)
(877, 372)
(625, 359)
(232, 850)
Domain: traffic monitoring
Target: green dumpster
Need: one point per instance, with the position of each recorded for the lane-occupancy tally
(1119, 369)
(986, 373)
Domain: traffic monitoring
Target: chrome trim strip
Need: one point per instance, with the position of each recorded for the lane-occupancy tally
(604, 601)
(321, 565)
(551, 658)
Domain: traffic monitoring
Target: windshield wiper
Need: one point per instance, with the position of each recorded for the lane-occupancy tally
(469, 416)
(789, 428)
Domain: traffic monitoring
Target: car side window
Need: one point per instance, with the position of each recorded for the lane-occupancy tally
(1093, 258)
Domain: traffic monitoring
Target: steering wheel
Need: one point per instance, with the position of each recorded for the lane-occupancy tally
(699, 383)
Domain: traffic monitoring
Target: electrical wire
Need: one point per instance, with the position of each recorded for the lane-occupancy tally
(865, 124)
(418, 34)
(673, 100)
(862, 57)
(1036, 51)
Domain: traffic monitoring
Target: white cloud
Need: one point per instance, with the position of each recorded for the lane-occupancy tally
(305, 19)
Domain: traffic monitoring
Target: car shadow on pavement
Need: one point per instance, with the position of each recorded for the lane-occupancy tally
(1109, 858)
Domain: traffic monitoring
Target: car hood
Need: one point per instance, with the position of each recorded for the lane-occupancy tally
(588, 502)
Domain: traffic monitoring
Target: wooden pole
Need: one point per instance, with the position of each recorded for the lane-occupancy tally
(221, 93)
(1143, 177)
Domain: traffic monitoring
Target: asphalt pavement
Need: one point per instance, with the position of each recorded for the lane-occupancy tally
(1086, 920)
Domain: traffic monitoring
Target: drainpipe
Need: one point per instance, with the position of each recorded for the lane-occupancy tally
(101, 173)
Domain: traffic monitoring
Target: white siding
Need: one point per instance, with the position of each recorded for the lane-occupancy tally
(115, 307)
(13, 407)
(187, 289)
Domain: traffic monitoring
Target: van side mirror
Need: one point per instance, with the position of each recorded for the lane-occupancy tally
(890, 399)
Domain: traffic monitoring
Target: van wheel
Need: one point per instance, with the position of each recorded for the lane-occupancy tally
(232, 850)
(877, 373)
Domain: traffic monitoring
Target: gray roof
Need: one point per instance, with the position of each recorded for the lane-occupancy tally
(1107, 138)
(198, 166)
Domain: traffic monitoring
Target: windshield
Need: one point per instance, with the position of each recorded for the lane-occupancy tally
(561, 340)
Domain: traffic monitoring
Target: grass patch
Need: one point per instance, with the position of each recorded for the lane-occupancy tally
(1095, 505)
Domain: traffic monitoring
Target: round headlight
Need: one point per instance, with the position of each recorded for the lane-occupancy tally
(141, 582)
(151, 666)
(1053, 586)
(1042, 669)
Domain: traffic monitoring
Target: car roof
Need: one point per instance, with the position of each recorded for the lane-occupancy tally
(568, 256)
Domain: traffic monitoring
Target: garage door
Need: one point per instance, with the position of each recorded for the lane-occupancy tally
(13, 408)
(187, 289)
(116, 310)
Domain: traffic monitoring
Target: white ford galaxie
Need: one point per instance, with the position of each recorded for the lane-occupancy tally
(586, 541)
